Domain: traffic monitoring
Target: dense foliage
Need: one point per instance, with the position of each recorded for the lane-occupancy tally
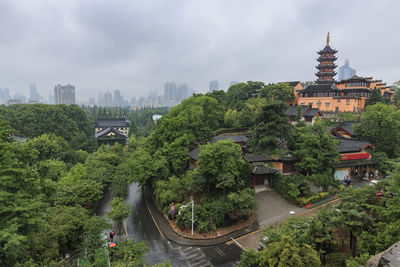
(45, 205)
(69, 122)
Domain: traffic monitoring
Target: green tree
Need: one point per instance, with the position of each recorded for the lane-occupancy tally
(352, 215)
(119, 212)
(77, 188)
(271, 130)
(380, 125)
(222, 166)
(287, 253)
(130, 253)
(237, 94)
(315, 149)
(375, 97)
(231, 118)
(249, 258)
(280, 91)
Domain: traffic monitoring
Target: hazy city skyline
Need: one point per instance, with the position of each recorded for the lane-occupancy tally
(96, 45)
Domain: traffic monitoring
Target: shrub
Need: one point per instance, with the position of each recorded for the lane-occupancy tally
(292, 186)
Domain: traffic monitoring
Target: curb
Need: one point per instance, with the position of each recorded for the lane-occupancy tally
(166, 230)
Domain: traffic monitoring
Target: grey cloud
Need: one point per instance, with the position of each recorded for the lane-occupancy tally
(136, 46)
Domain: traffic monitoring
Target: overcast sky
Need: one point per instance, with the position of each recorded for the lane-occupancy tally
(136, 46)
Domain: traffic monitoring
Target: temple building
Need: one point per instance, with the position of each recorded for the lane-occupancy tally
(332, 96)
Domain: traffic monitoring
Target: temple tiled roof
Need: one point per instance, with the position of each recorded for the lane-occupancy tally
(318, 88)
(305, 111)
(111, 123)
(351, 145)
(348, 126)
(107, 130)
(261, 168)
(327, 49)
(194, 154)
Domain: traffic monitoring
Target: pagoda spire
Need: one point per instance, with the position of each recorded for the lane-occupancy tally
(326, 66)
(327, 39)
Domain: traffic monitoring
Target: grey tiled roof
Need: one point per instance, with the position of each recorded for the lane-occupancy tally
(328, 49)
(318, 88)
(194, 154)
(348, 126)
(106, 130)
(261, 168)
(111, 123)
(351, 145)
(306, 111)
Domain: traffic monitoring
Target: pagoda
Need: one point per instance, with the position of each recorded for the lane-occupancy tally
(326, 66)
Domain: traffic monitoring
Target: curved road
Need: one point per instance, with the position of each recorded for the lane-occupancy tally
(140, 226)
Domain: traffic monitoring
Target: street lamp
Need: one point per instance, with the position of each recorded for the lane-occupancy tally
(184, 206)
(293, 213)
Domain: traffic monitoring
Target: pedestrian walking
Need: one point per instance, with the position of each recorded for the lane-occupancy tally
(112, 233)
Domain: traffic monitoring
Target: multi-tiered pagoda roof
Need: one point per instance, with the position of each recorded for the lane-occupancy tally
(326, 66)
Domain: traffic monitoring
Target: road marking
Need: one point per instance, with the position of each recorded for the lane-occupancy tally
(140, 223)
(186, 249)
(158, 228)
(219, 251)
(238, 244)
(244, 236)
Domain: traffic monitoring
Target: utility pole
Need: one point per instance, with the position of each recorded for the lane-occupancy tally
(184, 206)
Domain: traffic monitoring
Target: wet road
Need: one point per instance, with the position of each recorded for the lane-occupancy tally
(140, 226)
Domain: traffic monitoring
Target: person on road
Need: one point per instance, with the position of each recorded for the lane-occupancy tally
(112, 233)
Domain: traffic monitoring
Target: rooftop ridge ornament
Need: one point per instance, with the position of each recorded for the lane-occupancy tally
(327, 39)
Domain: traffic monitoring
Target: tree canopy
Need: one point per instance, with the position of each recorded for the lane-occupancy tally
(380, 124)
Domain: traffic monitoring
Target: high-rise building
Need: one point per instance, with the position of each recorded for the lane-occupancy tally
(33, 93)
(170, 93)
(213, 86)
(100, 99)
(5, 94)
(51, 99)
(64, 94)
(118, 99)
(345, 72)
(182, 92)
(108, 100)
(20, 97)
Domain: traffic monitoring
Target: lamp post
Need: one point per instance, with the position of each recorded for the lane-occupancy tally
(184, 206)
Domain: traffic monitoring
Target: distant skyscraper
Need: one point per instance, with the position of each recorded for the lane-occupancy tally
(153, 94)
(20, 97)
(233, 83)
(345, 72)
(213, 86)
(170, 93)
(118, 99)
(64, 94)
(133, 101)
(182, 92)
(108, 101)
(51, 99)
(100, 99)
(33, 93)
(5, 94)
